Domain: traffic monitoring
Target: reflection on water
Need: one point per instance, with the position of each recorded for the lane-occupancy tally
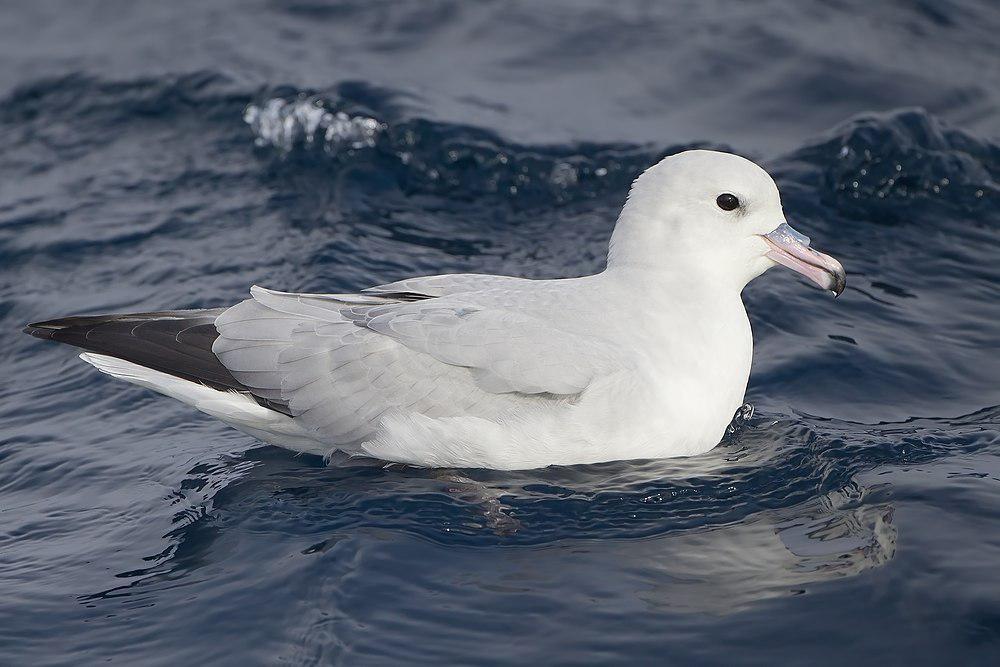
(776, 508)
(760, 516)
(778, 553)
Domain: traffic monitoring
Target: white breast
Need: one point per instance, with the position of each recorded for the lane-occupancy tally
(693, 379)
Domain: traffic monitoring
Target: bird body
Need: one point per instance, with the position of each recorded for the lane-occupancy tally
(648, 359)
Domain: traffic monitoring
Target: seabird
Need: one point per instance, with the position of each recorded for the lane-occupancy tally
(647, 359)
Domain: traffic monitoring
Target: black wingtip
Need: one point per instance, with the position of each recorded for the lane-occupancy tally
(176, 342)
(43, 330)
(51, 329)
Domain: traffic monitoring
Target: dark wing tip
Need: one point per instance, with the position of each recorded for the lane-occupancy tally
(49, 329)
(176, 342)
(42, 329)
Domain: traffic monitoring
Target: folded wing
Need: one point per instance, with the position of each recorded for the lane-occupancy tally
(340, 362)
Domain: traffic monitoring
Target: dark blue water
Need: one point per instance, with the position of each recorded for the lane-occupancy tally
(168, 155)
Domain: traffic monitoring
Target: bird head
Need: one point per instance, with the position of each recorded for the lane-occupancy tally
(717, 215)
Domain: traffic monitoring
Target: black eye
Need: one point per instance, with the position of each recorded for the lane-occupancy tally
(727, 202)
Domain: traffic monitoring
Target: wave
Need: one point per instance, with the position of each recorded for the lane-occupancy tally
(461, 162)
(901, 166)
(872, 165)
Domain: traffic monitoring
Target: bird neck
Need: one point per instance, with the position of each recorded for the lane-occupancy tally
(653, 249)
(678, 276)
(677, 291)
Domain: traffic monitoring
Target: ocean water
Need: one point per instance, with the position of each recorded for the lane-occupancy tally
(163, 155)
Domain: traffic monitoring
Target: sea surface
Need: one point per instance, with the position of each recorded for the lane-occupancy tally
(159, 155)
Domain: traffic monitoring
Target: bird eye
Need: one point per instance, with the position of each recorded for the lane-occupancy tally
(727, 202)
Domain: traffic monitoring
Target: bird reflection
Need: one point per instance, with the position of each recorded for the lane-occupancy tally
(763, 515)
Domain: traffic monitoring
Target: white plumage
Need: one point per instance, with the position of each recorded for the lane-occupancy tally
(649, 358)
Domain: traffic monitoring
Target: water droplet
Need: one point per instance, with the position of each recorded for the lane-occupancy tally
(563, 174)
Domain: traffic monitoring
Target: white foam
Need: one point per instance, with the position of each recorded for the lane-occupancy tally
(283, 124)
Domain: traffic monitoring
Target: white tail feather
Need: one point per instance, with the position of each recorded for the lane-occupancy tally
(238, 410)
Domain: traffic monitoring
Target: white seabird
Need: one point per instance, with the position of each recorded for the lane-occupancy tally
(647, 359)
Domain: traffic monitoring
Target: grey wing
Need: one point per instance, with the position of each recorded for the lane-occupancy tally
(342, 361)
(505, 351)
(415, 289)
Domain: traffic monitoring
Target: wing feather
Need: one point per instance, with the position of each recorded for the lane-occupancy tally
(341, 362)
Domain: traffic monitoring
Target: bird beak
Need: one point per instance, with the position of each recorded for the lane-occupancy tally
(790, 248)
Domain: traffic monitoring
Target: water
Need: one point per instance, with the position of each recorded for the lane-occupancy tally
(169, 155)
